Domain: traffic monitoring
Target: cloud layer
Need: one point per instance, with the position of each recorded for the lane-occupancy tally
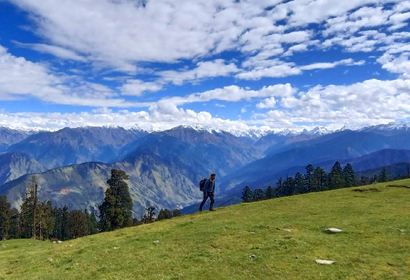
(161, 59)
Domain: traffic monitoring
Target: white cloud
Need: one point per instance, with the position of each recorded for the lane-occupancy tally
(283, 69)
(369, 102)
(54, 50)
(267, 103)
(20, 78)
(103, 110)
(400, 64)
(138, 87)
(207, 69)
(327, 65)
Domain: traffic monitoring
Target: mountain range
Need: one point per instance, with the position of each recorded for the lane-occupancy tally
(72, 165)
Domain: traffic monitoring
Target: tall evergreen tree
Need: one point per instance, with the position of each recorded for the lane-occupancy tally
(247, 195)
(279, 188)
(176, 212)
(164, 214)
(149, 216)
(26, 215)
(4, 218)
(288, 186)
(92, 222)
(270, 192)
(116, 210)
(309, 177)
(77, 224)
(14, 230)
(300, 186)
(383, 176)
(58, 217)
(45, 220)
(64, 223)
(258, 194)
(336, 180)
(319, 180)
(349, 176)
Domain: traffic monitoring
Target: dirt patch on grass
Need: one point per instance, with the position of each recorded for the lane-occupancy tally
(366, 190)
(398, 186)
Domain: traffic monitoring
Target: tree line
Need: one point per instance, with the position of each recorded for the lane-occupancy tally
(315, 179)
(40, 220)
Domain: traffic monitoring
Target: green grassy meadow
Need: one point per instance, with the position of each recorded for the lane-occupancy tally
(284, 237)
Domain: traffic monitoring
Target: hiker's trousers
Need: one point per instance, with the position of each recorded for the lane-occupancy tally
(211, 197)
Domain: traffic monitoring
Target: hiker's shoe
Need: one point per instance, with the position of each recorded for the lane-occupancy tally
(200, 209)
(211, 209)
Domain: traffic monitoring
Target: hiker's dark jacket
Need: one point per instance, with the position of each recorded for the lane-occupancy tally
(209, 186)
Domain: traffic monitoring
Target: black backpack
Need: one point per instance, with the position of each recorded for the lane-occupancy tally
(202, 184)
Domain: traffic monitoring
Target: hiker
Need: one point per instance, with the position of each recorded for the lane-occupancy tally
(208, 190)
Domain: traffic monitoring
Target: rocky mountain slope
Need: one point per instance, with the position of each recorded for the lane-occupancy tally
(14, 165)
(76, 145)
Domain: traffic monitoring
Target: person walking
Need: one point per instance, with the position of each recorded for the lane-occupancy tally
(209, 190)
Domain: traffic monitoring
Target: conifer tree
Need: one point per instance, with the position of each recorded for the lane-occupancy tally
(14, 230)
(309, 177)
(349, 176)
(247, 195)
(176, 212)
(336, 180)
(164, 214)
(27, 215)
(270, 192)
(92, 222)
(149, 216)
(288, 186)
(279, 188)
(116, 210)
(4, 218)
(77, 224)
(300, 186)
(258, 194)
(319, 182)
(383, 176)
(64, 223)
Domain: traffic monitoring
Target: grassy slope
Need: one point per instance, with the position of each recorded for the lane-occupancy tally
(375, 243)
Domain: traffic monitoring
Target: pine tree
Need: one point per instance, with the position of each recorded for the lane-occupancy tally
(4, 218)
(319, 180)
(45, 220)
(383, 176)
(26, 215)
(288, 186)
(164, 214)
(309, 177)
(279, 188)
(92, 221)
(116, 210)
(149, 217)
(77, 224)
(349, 176)
(64, 223)
(336, 180)
(258, 194)
(247, 195)
(176, 212)
(58, 217)
(14, 230)
(300, 186)
(270, 192)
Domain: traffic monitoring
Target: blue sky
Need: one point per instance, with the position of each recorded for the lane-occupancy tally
(230, 65)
